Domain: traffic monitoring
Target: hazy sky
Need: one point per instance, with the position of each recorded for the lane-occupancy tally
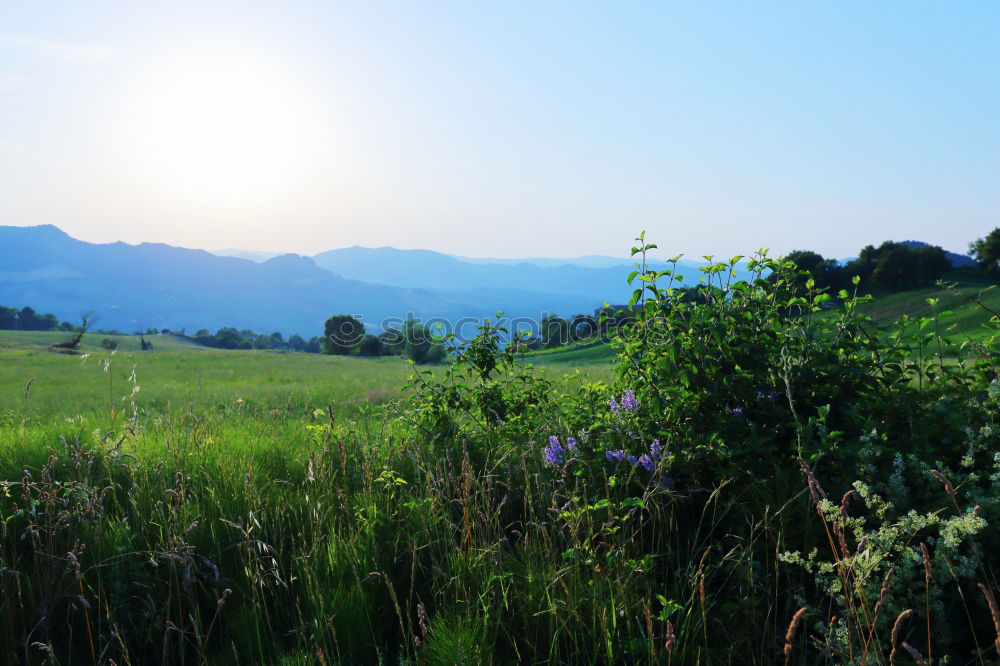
(503, 128)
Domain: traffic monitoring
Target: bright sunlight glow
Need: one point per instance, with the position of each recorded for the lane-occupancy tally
(223, 128)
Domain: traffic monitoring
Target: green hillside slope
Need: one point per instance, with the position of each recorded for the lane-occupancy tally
(92, 341)
(962, 318)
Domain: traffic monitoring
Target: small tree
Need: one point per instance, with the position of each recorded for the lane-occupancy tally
(417, 341)
(296, 342)
(342, 333)
(393, 342)
(987, 252)
(555, 331)
(87, 319)
(419, 344)
(370, 346)
(825, 273)
(582, 327)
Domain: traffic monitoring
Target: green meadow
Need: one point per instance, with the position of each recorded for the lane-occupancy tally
(747, 477)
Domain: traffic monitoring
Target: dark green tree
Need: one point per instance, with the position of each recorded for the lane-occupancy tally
(342, 334)
(277, 341)
(825, 273)
(370, 346)
(582, 328)
(896, 266)
(296, 342)
(555, 331)
(420, 345)
(417, 341)
(393, 341)
(987, 251)
(230, 338)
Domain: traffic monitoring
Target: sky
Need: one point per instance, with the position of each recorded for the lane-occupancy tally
(543, 128)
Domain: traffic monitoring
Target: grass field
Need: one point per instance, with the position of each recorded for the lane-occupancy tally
(196, 506)
(177, 377)
(243, 427)
(593, 355)
(177, 381)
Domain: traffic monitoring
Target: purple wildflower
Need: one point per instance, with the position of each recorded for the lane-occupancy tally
(655, 450)
(737, 412)
(615, 456)
(571, 444)
(553, 453)
(647, 462)
(629, 403)
(632, 460)
(615, 407)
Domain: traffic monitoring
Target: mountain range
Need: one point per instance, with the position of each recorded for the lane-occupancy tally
(153, 285)
(160, 286)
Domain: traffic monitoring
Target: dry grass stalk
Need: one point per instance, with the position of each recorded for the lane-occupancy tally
(897, 628)
(943, 480)
(994, 611)
(790, 634)
(816, 491)
(843, 521)
(883, 596)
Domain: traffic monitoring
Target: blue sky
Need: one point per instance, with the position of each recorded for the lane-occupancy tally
(503, 129)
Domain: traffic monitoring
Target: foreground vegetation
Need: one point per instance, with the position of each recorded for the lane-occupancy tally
(759, 481)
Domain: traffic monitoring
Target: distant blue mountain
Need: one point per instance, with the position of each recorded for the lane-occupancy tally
(434, 270)
(588, 261)
(957, 260)
(156, 285)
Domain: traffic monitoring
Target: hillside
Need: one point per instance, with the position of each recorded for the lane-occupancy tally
(92, 341)
(966, 321)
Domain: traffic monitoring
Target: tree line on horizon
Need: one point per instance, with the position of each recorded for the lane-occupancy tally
(345, 335)
(893, 266)
(229, 337)
(27, 319)
(887, 268)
